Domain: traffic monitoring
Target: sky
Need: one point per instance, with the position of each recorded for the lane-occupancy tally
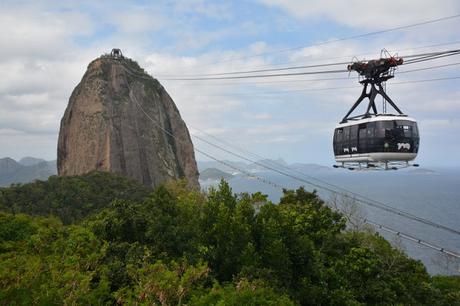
(47, 45)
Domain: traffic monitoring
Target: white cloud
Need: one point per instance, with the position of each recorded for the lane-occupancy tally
(438, 123)
(369, 14)
(258, 116)
(40, 34)
(137, 20)
(211, 9)
(450, 103)
(46, 59)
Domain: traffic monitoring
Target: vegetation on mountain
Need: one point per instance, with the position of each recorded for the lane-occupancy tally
(102, 239)
(70, 198)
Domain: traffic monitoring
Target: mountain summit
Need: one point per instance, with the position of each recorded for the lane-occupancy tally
(120, 119)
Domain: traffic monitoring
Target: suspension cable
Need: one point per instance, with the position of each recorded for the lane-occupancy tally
(376, 205)
(268, 182)
(352, 55)
(242, 74)
(413, 58)
(329, 189)
(263, 93)
(338, 39)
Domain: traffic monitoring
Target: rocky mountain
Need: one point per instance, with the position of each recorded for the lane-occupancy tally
(25, 170)
(122, 120)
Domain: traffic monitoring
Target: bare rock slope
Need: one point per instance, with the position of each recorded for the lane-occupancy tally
(120, 119)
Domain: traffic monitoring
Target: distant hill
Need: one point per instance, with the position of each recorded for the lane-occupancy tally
(257, 167)
(310, 167)
(214, 174)
(272, 163)
(8, 166)
(30, 161)
(422, 171)
(27, 170)
(203, 165)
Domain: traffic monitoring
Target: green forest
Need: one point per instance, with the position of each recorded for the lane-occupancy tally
(101, 239)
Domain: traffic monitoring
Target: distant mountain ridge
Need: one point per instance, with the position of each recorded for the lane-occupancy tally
(214, 174)
(28, 169)
(258, 166)
(30, 161)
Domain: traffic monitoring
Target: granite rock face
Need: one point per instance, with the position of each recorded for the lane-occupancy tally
(120, 119)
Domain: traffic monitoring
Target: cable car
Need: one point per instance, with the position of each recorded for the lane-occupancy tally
(375, 140)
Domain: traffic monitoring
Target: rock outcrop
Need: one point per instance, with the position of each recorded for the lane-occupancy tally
(120, 119)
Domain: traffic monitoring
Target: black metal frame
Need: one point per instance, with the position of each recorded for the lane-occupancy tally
(373, 74)
(376, 88)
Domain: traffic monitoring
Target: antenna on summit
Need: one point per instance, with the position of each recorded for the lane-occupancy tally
(116, 53)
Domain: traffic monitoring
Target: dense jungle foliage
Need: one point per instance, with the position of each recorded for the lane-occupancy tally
(103, 239)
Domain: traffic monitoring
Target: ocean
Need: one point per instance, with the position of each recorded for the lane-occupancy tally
(432, 195)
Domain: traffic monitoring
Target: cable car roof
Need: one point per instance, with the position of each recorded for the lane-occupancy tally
(376, 119)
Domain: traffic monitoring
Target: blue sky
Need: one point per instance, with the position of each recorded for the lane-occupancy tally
(48, 45)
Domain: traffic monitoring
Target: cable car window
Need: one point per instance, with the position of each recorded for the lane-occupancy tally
(370, 129)
(404, 128)
(362, 131)
(346, 133)
(371, 133)
(338, 135)
(407, 131)
(354, 132)
(384, 127)
(387, 124)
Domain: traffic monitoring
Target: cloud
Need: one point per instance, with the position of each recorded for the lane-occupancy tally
(40, 34)
(439, 123)
(53, 42)
(444, 104)
(210, 9)
(137, 20)
(17, 144)
(298, 121)
(258, 116)
(368, 14)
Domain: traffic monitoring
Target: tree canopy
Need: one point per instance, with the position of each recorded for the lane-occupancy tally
(102, 239)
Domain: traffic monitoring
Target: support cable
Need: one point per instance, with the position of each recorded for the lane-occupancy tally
(263, 180)
(237, 75)
(339, 39)
(413, 57)
(377, 205)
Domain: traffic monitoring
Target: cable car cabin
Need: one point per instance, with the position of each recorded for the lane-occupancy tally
(377, 139)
